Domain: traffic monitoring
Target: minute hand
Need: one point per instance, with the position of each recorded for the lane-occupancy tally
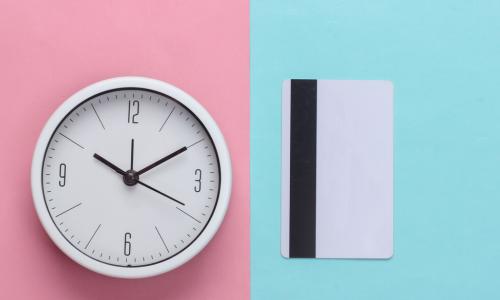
(159, 162)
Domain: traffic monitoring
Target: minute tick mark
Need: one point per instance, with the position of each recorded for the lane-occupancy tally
(189, 215)
(161, 238)
(168, 117)
(72, 141)
(69, 209)
(88, 243)
(97, 115)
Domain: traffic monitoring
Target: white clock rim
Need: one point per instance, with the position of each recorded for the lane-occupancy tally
(224, 162)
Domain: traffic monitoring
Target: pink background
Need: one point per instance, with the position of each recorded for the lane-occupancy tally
(49, 51)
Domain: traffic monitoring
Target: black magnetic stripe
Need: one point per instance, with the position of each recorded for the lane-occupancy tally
(303, 168)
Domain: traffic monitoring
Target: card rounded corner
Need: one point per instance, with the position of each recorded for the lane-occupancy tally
(284, 255)
(390, 83)
(389, 255)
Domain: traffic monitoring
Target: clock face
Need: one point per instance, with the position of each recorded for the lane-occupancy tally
(130, 177)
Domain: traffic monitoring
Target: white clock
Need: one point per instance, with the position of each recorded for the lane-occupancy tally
(131, 177)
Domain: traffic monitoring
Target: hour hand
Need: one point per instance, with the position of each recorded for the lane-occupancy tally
(109, 164)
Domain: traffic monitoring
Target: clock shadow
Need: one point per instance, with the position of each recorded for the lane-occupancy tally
(86, 284)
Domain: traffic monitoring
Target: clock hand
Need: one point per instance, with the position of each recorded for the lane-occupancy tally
(131, 177)
(132, 155)
(109, 164)
(171, 155)
(161, 193)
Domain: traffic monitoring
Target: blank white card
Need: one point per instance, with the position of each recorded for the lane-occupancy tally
(337, 169)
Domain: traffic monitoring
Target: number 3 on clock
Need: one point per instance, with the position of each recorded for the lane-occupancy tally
(197, 180)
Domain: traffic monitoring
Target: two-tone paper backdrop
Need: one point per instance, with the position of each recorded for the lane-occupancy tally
(443, 57)
(444, 60)
(51, 49)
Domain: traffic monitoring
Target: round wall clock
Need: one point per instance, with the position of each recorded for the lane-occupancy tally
(131, 177)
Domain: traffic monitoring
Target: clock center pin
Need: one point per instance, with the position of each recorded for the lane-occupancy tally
(130, 177)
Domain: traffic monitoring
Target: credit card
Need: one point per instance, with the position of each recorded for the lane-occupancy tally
(337, 169)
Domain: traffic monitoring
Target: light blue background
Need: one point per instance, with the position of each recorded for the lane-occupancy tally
(444, 60)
